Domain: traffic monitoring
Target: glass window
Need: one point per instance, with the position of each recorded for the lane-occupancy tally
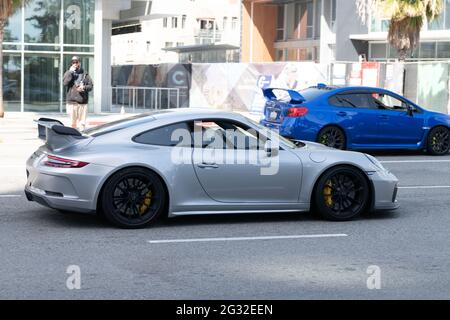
(224, 23)
(174, 22)
(309, 20)
(226, 135)
(447, 15)
(164, 22)
(13, 28)
(388, 102)
(352, 100)
(11, 81)
(79, 21)
(333, 15)
(170, 136)
(377, 51)
(42, 83)
(443, 49)
(280, 22)
(427, 50)
(279, 55)
(234, 23)
(317, 16)
(42, 21)
(183, 21)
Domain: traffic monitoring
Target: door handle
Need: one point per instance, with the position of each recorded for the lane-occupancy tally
(207, 166)
(342, 113)
(383, 116)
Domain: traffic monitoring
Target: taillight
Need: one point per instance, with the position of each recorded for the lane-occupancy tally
(58, 162)
(297, 112)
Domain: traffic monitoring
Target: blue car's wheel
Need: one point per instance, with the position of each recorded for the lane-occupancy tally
(332, 137)
(438, 142)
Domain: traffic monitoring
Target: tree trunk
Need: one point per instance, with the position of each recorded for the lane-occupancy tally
(2, 30)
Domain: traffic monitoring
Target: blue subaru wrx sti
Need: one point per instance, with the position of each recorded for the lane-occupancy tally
(356, 118)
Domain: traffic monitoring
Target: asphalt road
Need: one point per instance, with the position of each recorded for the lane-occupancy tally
(410, 246)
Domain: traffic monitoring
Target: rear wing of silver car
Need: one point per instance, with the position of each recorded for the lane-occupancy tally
(295, 96)
(56, 135)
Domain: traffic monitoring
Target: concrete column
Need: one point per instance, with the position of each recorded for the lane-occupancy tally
(102, 52)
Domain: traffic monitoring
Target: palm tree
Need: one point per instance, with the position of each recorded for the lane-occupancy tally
(7, 9)
(406, 19)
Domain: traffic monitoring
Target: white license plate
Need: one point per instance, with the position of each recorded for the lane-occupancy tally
(273, 115)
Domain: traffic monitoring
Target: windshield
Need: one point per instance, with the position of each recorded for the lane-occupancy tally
(289, 143)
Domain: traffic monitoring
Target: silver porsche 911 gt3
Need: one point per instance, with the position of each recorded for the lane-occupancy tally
(194, 161)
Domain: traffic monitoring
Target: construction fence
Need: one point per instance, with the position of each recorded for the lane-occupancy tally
(237, 86)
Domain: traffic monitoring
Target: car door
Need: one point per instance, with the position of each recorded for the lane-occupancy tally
(231, 166)
(396, 125)
(354, 112)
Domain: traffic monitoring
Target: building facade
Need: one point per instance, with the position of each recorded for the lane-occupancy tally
(329, 30)
(40, 40)
(179, 31)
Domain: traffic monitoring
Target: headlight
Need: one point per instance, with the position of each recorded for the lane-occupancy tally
(375, 162)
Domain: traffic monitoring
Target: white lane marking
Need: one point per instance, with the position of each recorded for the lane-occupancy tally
(424, 187)
(249, 238)
(10, 196)
(414, 161)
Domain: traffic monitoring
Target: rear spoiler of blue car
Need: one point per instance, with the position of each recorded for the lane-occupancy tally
(295, 96)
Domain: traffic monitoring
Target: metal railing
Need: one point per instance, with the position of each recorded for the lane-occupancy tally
(145, 98)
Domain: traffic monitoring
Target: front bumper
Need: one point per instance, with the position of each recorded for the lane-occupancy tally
(385, 186)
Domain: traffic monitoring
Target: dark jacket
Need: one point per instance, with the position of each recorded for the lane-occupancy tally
(72, 80)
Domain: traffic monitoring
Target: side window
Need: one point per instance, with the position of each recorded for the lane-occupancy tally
(351, 100)
(388, 102)
(223, 134)
(178, 134)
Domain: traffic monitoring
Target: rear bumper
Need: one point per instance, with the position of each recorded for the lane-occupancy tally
(58, 203)
(64, 188)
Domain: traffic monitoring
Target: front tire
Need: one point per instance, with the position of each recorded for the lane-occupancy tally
(438, 141)
(332, 137)
(341, 194)
(133, 198)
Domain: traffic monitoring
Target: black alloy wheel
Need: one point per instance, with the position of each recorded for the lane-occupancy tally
(341, 194)
(133, 198)
(332, 137)
(438, 142)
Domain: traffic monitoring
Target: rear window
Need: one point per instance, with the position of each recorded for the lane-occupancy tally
(119, 125)
(311, 93)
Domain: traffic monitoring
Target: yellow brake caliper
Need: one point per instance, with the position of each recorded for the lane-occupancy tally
(327, 193)
(146, 204)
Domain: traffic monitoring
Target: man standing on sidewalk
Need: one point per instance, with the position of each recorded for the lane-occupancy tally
(78, 84)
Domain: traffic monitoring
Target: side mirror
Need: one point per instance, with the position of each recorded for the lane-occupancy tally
(271, 151)
(409, 111)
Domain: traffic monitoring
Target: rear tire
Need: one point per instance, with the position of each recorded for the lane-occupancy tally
(438, 141)
(341, 194)
(332, 137)
(133, 198)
